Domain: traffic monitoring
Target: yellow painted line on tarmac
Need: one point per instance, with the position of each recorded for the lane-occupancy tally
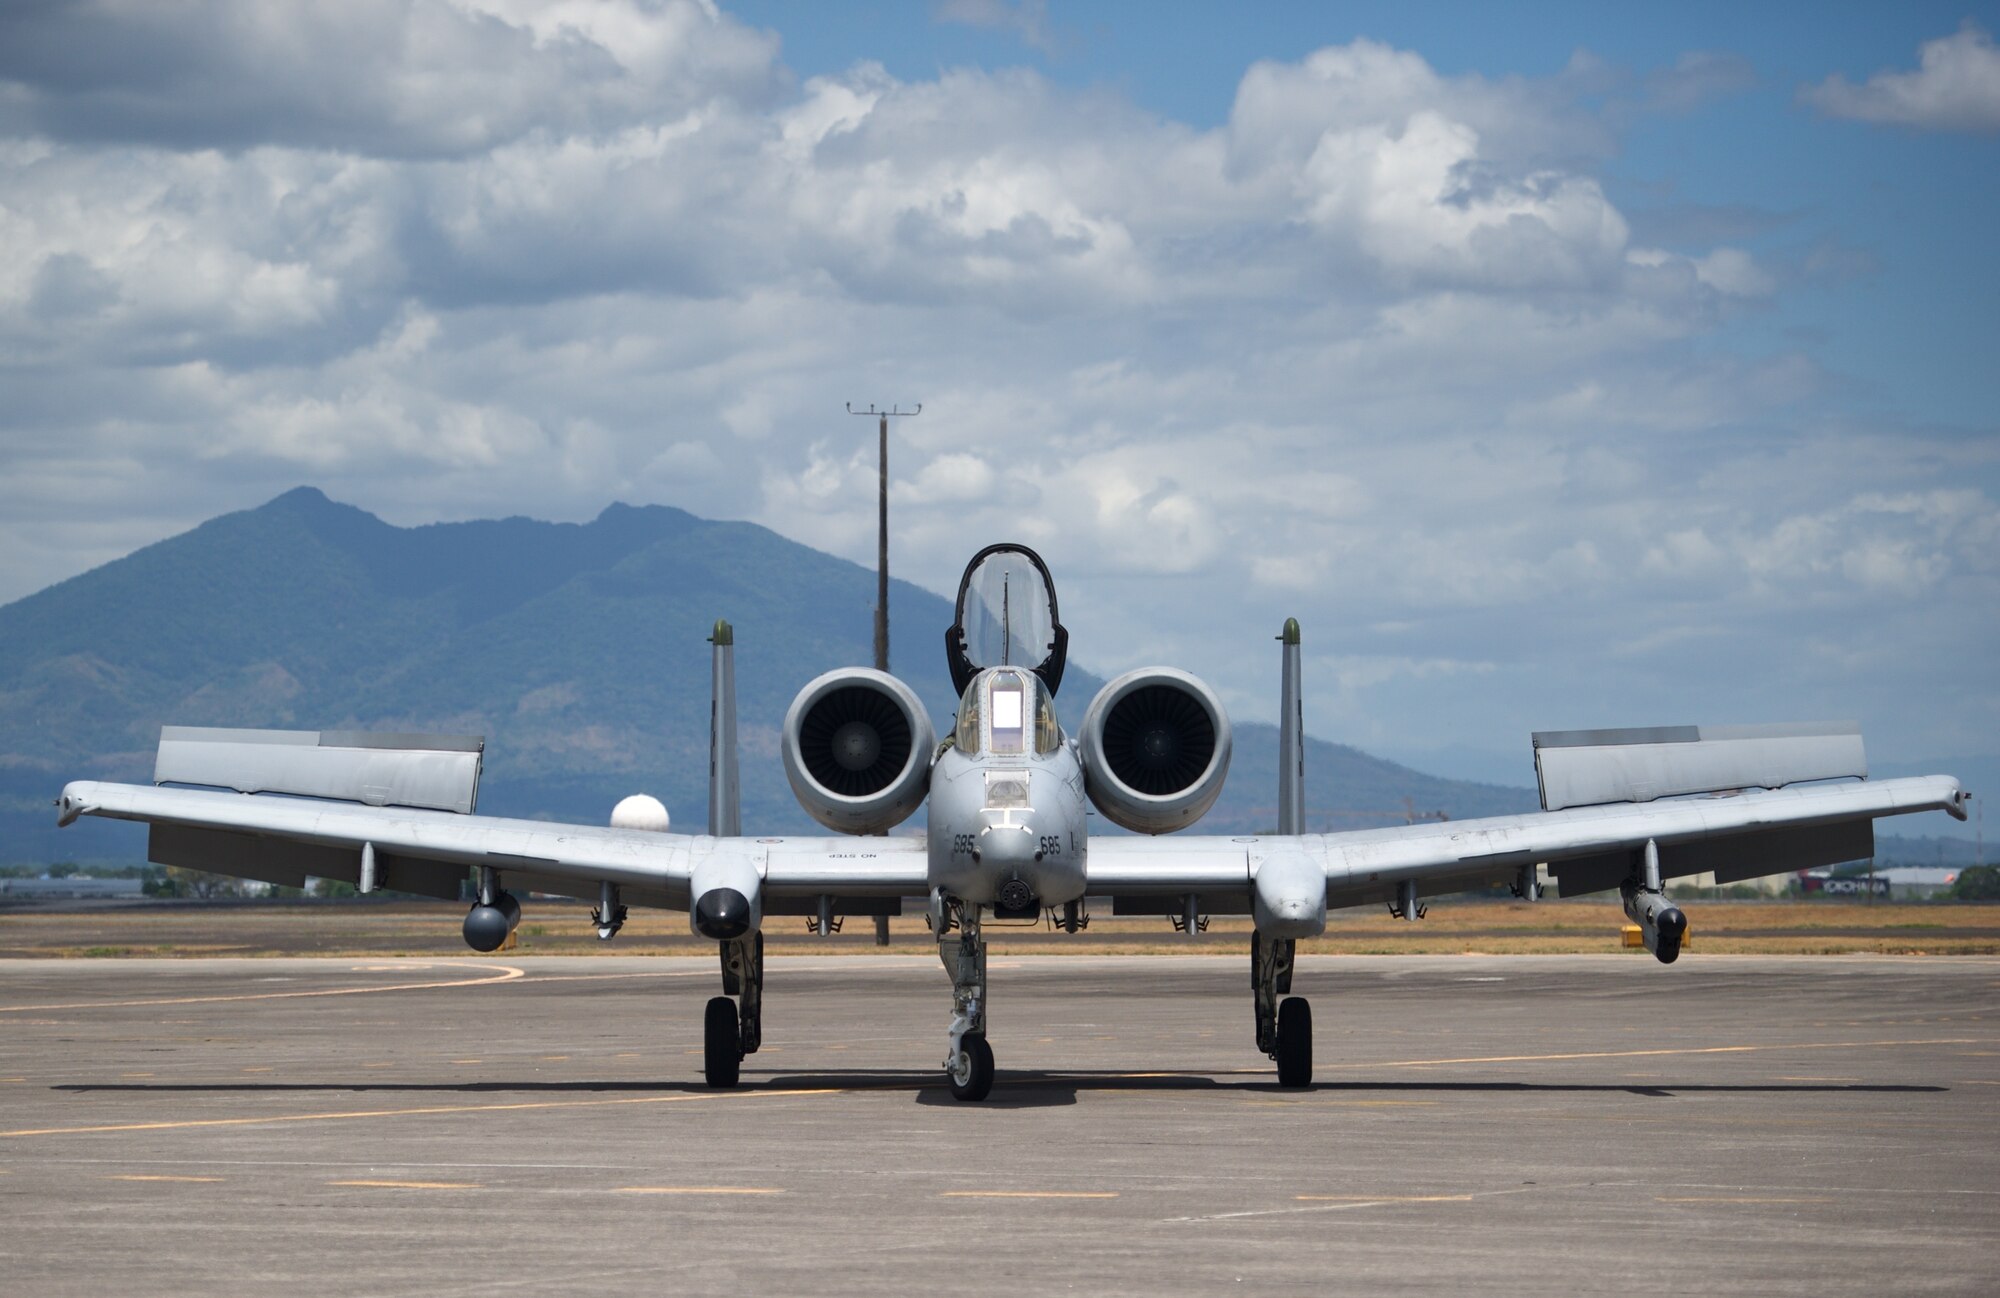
(261, 1068)
(697, 1189)
(138, 1074)
(468, 1061)
(553, 1059)
(1029, 1194)
(190, 1123)
(1670, 1050)
(706, 971)
(1735, 1199)
(160, 1176)
(13, 1079)
(412, 1185)
(503, 974)
(1383, 1198)
(378, 1063)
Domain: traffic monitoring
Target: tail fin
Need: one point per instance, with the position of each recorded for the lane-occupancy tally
(1291, 739)
(725, 793)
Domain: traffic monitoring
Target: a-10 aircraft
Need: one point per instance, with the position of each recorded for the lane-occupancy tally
(1008, 792)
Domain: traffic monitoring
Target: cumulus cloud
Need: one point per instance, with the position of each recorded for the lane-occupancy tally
(1379, 350)
(376, 77)
(1955, 87)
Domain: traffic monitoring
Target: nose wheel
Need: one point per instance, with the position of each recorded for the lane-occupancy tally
(971, 1070)
(968, 1060)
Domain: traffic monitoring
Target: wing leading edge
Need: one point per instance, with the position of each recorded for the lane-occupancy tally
(1588, 849)
(283, 839)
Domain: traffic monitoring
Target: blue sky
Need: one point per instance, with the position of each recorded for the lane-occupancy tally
(1558, 365)
(1914, 333)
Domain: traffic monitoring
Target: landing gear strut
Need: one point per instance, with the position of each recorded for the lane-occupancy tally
(1284, 1031)
(727, 1033)
(968, 1060)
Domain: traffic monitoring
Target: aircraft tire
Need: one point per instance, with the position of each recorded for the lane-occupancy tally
(722, 1044)
(1295, 1042)
(977, 1080)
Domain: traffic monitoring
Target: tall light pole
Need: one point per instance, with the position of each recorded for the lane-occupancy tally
(882, 526)
(882, 564)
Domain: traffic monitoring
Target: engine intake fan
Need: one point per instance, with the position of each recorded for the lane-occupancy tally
(857, 750)
(1155, 745)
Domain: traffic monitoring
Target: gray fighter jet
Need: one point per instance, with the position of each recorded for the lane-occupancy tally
(1008, 792)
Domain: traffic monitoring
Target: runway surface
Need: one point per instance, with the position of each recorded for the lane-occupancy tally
(1757, 1125)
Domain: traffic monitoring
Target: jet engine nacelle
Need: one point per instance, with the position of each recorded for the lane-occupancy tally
(1155, 749)
(858, 747)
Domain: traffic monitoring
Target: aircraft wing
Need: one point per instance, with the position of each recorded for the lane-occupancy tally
(282, 840)
(1587, 849)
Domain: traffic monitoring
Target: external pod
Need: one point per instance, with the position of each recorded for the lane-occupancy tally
(857, 750)
(1155, 749)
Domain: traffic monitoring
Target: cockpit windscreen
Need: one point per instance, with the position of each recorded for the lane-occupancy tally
(1006, 611)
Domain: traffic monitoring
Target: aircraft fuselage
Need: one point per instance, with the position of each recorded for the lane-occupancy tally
(1007, 805)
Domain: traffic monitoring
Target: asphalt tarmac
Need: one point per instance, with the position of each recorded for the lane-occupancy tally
(1532, 1125)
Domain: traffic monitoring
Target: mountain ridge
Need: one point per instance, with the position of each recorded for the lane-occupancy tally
(578, 649)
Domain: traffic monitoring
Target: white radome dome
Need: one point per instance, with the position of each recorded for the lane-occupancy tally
(640, 811)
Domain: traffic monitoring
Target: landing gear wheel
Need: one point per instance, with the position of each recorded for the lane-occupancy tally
(971, 1073)
(1295, 1042)
(722, 1053)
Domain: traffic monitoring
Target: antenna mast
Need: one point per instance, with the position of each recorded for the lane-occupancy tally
(882, 527)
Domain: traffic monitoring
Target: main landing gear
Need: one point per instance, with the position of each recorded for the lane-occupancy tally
(1284, 1030)
(968, 1060)
(728, 1033)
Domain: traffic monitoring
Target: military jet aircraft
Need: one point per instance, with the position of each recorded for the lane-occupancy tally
(1009, 792)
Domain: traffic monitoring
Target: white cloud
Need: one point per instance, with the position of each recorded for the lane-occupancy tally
(1956, 87)
(423, 78)
(1378, 351)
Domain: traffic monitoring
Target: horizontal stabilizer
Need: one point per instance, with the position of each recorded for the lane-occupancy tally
(1587, 768)
(439, 772)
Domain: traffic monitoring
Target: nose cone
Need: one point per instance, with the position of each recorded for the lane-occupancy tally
(1007, 845)
(722, 913)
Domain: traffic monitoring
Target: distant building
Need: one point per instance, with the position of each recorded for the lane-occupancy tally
(1902, 882)
(1916, 881)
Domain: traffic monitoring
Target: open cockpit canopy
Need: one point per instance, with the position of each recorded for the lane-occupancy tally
(1006, 617)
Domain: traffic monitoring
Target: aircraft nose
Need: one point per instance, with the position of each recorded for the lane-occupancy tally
(1006, 844)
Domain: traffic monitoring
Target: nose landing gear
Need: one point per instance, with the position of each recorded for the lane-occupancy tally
(968, 1060)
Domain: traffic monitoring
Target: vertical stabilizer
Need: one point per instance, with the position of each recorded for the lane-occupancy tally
(725, 797)
(1291, 739)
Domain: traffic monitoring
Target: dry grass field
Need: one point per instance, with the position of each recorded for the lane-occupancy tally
(552, 927)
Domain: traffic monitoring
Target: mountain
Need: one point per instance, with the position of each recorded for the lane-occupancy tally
(579, 650)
